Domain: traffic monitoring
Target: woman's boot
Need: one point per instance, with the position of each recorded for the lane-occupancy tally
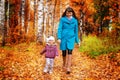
(64, 63)
(69, 63)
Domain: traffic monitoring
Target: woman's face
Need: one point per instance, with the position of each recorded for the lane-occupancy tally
(69, 14)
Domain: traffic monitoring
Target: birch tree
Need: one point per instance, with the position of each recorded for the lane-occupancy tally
(51, 14)
(28, 16)
(35, 11)
(54, 15)
(40, 21)
(2, 20)
(1, 7)
(23, 13)
(7, 14)
(49, 9)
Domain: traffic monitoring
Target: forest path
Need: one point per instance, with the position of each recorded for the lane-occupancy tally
(23, 62)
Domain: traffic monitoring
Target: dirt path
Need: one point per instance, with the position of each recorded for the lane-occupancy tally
(25, 63)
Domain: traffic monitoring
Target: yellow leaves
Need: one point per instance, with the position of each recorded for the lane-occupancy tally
(89, 79)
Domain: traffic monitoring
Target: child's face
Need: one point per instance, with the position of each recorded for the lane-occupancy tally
(69, 14)
(51, 41)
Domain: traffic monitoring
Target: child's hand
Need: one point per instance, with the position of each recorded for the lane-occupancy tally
(56, 56)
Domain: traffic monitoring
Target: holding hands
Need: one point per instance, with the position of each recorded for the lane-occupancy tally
(59, 41)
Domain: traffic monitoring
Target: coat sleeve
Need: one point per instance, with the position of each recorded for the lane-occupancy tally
(43, 51)
(56, 50)
(76, 33)
(59, 32)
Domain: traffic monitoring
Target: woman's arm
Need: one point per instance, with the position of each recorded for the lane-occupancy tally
(59, 32)
(56, 50)
(76, 33)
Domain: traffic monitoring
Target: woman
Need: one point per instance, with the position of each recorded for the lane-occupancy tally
(67, 36)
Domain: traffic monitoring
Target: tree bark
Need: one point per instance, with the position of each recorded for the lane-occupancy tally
(23, 13)
(40, 21)
(2, 23)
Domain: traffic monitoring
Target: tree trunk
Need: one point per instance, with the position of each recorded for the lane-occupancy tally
(53, 29)
(40, 21)
(14, 22)
(26, 16)
(8, 16)
(23, 13)
(2, 21)
(119, 11)
(35, 11)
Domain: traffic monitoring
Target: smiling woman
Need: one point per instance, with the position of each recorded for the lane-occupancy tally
(67, 36)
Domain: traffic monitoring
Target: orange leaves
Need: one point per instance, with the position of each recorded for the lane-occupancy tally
(106, 18)
(75, 0)
(14, 1)
(25, 63)
(2, 50)
(85, 6)
(6, 72)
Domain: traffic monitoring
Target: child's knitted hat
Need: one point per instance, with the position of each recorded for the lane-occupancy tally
(51, 38)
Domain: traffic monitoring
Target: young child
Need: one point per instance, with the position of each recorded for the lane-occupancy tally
(51, 52)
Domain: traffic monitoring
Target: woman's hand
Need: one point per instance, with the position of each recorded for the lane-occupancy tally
(59, 40)
(79, 44)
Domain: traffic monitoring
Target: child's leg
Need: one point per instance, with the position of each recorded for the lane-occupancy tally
(47, 65)
(51, 65)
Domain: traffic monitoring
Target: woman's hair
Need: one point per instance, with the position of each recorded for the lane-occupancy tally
(69, 9)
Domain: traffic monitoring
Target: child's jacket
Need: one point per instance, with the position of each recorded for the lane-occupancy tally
(50, 51)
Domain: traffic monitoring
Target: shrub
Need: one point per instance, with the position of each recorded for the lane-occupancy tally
(91, 45)
(95, 46)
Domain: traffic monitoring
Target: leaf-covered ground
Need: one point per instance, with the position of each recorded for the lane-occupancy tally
(23, 62)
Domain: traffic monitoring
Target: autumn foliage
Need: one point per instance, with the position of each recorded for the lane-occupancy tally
(24, 62)
(20, 58)
(93, 17)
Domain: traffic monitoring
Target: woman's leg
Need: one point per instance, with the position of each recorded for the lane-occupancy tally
(69, 61)
(64, 58)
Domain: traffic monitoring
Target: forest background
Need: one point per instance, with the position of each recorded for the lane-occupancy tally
(32, 21)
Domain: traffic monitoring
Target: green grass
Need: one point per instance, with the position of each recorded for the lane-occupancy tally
(7, 47)
(91, 45)
(95, 46)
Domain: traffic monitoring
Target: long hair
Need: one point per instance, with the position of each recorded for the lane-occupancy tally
(69, 9)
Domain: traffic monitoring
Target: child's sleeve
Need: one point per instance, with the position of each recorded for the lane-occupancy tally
(43, 51)
(56, 51)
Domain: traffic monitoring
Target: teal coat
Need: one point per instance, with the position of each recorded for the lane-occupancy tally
(68, 33)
